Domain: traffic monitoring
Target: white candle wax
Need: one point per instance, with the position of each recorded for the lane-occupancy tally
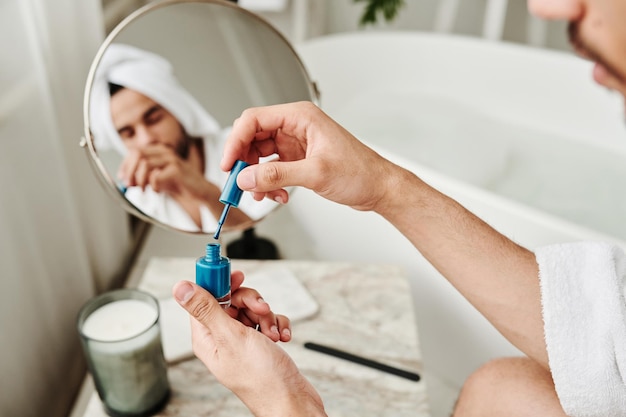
(119, 320)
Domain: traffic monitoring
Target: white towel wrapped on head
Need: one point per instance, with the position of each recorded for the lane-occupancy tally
(584, 312)
(151, 75)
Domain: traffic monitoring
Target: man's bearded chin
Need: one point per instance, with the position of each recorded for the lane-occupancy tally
(590, 53)
(183, 146)
(582, 48)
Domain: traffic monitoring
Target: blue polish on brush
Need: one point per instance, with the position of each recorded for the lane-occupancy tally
(231, 194)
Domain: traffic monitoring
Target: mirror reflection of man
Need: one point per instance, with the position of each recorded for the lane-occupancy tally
(163, 156)
(170, 145)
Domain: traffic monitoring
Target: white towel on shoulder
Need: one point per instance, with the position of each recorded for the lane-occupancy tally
(584, 312)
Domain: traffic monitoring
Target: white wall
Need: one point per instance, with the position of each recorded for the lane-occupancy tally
(335, 16)
(62, 237)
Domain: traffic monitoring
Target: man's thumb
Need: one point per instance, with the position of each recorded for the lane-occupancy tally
(198, 302)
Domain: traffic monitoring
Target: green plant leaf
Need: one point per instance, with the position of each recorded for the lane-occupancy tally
(388, 8)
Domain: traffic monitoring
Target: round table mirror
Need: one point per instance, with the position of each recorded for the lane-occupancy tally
(162, 93)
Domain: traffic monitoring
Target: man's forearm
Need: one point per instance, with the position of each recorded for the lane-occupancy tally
(499, 277)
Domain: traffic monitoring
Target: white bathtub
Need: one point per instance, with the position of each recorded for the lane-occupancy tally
(520, 136)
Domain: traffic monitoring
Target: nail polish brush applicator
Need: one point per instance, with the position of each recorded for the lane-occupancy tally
(231, 194)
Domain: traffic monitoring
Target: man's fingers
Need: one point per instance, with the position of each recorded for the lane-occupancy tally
(248, 305)
(284, 327)
(141, 174)
(128, 166)
(199, 304)
(261, 124)
(154, 179)
(272, 176)
(236, 279)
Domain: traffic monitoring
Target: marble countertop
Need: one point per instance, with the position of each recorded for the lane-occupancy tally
(364, 309)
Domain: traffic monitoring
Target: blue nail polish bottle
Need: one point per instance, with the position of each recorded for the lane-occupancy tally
(213, 274)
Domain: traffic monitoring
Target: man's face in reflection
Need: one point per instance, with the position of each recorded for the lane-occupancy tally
(140, 122)
(597, 30)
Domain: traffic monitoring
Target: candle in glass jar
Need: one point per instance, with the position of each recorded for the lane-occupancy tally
(122, 341)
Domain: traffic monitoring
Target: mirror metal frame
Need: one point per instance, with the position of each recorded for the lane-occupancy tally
(87, 140)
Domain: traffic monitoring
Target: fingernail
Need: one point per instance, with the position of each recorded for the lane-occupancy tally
(286, 332)
(246, 178)
(183, 292)
(279, 200)
(274, 329)
(261, 300)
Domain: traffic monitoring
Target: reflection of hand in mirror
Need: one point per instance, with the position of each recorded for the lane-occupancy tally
(161, 155)
(169, 143)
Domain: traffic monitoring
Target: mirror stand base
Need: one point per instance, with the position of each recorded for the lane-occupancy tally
(250, 246)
